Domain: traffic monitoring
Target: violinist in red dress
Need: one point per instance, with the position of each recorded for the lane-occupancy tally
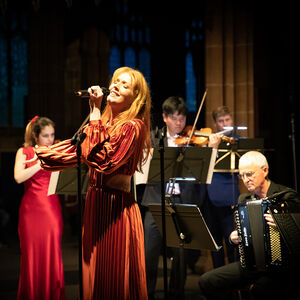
(40, 220)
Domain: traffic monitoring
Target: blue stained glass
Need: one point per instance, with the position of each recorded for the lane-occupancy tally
(140, 36)
(3, 22)
(118, 32)
(3, 83)
(191, 95)
(129, 57)
(125, 33)
(147, 35)
(19, 79)
(18, 94)
(13, 23)
(114, 60)
(187, 38)
(19, 60)
(144, 64)
(132, 35)
(125, 9)
(13, 89)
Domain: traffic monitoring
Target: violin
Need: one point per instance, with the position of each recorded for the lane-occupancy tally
(199, 137)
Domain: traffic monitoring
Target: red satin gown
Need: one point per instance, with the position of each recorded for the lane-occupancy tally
(40, 231)
(113, 262)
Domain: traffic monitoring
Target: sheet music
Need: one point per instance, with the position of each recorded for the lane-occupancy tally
(53, 183)
(142, 178)
(211, 165)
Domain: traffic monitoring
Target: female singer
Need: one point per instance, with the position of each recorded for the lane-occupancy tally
(40, 220)
(113, 264)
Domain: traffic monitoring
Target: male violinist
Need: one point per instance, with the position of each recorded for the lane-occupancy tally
(174, 116)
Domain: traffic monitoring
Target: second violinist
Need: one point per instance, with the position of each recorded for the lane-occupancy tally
(223, 193)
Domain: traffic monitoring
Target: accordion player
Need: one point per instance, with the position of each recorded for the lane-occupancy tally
(262, 247)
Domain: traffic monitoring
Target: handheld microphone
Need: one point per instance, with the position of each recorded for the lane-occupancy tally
(85, 93)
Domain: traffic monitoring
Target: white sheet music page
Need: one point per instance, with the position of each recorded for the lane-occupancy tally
(211, 166)
(53, 183)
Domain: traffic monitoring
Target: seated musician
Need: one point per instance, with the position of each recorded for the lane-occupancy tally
(280, 284)
(174, 116)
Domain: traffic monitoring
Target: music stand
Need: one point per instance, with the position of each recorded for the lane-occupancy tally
(194, 162)
(184, 162)
(191, 226)
(66, 183)
(229, 155)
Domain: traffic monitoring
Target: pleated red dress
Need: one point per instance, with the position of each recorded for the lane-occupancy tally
(113, 260)
(40, 230)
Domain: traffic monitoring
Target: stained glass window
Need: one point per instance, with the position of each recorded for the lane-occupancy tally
(13, 69)
(130, 41)
(194, 66)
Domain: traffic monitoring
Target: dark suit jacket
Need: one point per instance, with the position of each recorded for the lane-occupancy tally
(289, 222)
(292, 197)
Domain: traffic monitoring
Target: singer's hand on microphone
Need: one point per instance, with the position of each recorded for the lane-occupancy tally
(96, 96)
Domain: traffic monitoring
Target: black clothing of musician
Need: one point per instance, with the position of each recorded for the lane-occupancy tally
(220, 283)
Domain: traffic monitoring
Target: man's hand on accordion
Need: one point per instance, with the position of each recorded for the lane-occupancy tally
(270, 220)
(234, 237)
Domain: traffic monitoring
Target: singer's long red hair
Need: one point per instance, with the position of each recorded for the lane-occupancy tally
(139, 109)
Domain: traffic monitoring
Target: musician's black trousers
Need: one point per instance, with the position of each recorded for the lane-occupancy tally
(220, 283)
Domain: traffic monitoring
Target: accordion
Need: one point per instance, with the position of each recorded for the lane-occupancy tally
(261, 246)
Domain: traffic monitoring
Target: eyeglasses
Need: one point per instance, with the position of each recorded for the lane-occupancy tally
(247, 174)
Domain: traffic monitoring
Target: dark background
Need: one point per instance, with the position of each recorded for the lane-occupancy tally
(276, 73)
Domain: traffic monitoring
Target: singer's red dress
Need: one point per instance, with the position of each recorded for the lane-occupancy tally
(113, 263)
(40, 230)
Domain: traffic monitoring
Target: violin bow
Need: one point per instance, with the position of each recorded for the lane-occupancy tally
(196, 119)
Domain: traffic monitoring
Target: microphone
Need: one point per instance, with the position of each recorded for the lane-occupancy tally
(77, 139)
(85, 93)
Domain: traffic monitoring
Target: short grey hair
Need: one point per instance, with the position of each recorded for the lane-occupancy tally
(253, 157)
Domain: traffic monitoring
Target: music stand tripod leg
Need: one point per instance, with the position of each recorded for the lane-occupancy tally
(181, 238)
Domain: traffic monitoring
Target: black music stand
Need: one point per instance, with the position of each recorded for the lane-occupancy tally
(184, 162)
(229, 155)
(196, 163)
(66, 183)
(190, 227)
